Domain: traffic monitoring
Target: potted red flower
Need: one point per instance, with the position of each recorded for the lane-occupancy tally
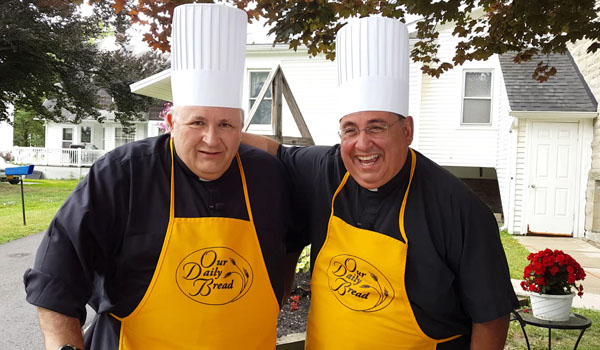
(550, 278)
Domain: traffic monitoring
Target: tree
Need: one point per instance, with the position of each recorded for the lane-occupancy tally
(47, 52)
(523, 28)
(28, 129)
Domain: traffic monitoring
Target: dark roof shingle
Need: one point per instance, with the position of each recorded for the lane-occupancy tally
(566, 91)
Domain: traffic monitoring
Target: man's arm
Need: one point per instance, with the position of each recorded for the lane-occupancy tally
(489, 335)
(263, 142)
(291, 260)
(59, 329)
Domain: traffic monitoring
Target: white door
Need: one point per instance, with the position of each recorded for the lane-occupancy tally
(553, 176)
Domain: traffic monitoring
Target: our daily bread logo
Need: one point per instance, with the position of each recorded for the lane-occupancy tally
(214, 276)
(357, 284)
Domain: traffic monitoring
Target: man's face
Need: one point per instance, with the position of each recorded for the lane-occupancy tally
(375, 158)
(206, 138)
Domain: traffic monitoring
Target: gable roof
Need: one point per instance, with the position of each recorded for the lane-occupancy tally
(566, 91)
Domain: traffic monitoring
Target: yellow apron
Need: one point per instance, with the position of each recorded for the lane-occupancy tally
(210, 289)
(359, 299)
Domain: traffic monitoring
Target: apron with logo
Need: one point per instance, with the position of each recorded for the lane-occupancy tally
(210, 288)
(359, 299)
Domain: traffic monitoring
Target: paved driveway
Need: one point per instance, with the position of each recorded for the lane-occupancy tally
(19, 327)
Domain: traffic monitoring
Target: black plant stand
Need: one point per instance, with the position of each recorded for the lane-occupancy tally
(576, 321)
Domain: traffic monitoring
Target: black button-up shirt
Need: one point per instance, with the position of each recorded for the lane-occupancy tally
(456, 270)
(103, 244)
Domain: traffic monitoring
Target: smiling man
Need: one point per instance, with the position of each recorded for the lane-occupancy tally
(177, 242)
(404, 255)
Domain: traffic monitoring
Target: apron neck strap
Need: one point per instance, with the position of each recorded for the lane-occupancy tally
(413, 162)
(242, 175)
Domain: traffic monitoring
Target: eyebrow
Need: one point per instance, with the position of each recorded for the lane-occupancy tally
(194, 118)
(370, 121)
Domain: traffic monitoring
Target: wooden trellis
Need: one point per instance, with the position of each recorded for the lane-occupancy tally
(280, 88)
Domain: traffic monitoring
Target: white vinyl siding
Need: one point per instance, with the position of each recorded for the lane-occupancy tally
(505, 152)
(440, 133)
(520, 181)
(414, 99)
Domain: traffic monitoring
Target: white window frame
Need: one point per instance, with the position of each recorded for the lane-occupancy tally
(127, 138)
(251, 99)
(463, 97)
(62, 137)
(81, 134)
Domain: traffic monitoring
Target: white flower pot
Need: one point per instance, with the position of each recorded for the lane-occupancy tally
(551, 307)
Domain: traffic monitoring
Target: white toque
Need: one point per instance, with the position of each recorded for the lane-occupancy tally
(207, 55)
(372, 64)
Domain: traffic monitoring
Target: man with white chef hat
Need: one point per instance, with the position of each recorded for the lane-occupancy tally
(178, 241)
(404, 255)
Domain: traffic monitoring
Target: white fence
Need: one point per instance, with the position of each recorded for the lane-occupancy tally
(55, 156)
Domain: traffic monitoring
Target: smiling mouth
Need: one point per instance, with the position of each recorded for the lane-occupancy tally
(210, 153)
(368, 160)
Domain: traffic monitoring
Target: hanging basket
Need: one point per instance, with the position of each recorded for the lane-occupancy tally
(551, 307)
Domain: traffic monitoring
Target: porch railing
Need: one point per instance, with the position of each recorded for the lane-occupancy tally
(55, 156)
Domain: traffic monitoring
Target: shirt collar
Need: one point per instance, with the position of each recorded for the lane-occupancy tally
(396, 182)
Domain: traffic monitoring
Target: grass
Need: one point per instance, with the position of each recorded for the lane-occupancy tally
(43, 198)
(516, 255)
(561, 339)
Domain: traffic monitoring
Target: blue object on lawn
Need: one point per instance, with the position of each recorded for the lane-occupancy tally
(19, 170)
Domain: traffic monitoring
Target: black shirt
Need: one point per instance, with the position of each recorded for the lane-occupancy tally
(103, 244)
(456, 271)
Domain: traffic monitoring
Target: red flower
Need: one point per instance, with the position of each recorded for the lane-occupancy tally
(552, 272)
(293, 306)
(548, 261)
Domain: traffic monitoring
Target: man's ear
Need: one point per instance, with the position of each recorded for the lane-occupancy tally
(409, 128)
(170, 119)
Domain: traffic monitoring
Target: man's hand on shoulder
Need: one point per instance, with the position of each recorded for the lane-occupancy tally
(263, 142)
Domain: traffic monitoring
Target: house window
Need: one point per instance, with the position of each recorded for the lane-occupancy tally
(263, 113)
(86, 134)
(67, 137)
(477, 98)
(122, 138)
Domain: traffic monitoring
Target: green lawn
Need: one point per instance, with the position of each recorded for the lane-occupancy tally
(561, 339)
(516, 255)
(42, 200)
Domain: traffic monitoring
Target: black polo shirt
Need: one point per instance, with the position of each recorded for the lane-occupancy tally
(456, 271)
(103, 244)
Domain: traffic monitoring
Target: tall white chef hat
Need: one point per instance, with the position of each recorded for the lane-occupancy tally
(207, 55)
(372, 64)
